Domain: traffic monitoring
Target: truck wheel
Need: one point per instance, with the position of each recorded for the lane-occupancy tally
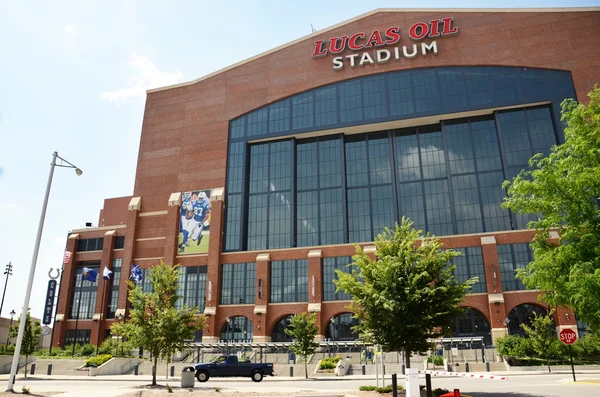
(257, 376)
(202, 376)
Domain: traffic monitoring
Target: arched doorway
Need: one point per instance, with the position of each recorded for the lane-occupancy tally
(238, 328)
(521, 314)
(279, 334)
(473, 323)
(339, 328)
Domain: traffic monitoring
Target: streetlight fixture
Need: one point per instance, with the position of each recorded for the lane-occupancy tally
(228, 319)
(12, 314)
(8, 272)
(36, 249)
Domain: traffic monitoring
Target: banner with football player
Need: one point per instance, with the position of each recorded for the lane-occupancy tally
(194, 227)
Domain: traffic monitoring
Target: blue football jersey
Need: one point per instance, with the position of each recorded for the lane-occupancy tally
(201, 209)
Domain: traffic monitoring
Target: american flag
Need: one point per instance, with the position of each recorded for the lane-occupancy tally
(67, 257)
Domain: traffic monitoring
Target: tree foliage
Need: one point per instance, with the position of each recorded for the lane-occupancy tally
(154, 322)
(563, 188)
(303, 329)
(31, 336)
(542, 336)
(408, 293)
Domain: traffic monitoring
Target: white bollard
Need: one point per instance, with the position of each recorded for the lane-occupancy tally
(412, 382)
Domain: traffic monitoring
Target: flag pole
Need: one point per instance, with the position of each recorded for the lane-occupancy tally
(101, 314)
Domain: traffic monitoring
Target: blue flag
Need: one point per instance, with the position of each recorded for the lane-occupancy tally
(106, 274)
(136, 273)
(89, 274)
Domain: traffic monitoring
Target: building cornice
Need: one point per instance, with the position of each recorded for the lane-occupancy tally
(368, 14)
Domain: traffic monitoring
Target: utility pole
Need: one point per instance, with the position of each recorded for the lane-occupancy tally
(8, 272)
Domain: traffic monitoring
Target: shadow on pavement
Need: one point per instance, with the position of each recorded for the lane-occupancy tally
(502, 394)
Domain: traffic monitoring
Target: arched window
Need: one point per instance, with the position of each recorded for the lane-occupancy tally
(473, 323)
(522, 314)
(339, 328)
(238, 328)
(279, 334)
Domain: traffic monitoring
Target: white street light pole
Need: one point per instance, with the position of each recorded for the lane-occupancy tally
(36, 249)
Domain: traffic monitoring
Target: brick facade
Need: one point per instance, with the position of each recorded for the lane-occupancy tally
(185, 129)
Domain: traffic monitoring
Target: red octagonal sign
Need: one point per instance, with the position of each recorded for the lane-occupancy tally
(568, 336)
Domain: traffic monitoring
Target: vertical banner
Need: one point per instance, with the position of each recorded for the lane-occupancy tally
(194, 226)
(49, 303)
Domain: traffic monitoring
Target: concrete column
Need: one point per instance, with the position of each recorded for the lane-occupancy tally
(100, 311)
(315, 289)
(66, 293)
(135, 205)
(213, 276)
(496, 307)
(263, 288)
(172, 228)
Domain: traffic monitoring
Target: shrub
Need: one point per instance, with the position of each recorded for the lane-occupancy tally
(436, 360)
(169, 388)
(97, 360)
(25, 390)
(438, 392)
(85, 350)
(329, 363)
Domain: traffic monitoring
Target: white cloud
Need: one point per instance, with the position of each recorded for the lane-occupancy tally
(70, 30)
(148, 76)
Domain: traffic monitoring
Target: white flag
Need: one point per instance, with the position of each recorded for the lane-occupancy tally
(106, 274)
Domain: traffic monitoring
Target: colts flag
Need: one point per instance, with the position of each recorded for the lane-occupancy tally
(89, 274)
(67, 257)
(136, 273)
(106, 274)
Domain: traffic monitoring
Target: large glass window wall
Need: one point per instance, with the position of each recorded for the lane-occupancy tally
(340, 188)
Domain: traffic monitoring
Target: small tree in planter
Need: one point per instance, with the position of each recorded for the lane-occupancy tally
(303, 329)
(31, 336)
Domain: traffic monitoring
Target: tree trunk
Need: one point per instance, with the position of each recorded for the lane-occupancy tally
(26, 357)
(154, 364)
(548, 364)
(305, 367)
(407, 356)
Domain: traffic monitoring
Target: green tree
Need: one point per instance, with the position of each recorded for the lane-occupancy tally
(31, 336)
(563, 189)
(154, 322)
(408, 293)
(542, 337)
(303, 329)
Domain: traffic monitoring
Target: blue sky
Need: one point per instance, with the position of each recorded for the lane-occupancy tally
(73, 77)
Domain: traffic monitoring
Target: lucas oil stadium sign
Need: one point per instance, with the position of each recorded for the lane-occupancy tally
(359, 42)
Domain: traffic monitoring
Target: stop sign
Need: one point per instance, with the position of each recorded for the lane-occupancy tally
(568, 336)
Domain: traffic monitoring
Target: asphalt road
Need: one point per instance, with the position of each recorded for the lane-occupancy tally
(545, 385)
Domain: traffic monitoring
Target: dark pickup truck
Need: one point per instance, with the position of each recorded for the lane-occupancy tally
(228, 366)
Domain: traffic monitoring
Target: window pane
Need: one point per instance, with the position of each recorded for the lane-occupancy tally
(330, 265)
(325, 106)
(467, 207)
(515, 138)
(425, 91)
(453, 88)
(302, 111)
(280, 168)
(437, 203)
(357, 170)
(233, 225)
(407, 156)
(330, 163)
(432, 152)
(235, 167)
(257, 122)
(238, 128)
(279, 220)
(306, 166)
(380, 168)
(460, 148)
(487, 149)
(540, 126)
(512, 257)
(259, 168)
(307, 222)
(375, 103)
(495, 217)
(257, 222)
(359, 220)
(400, 91)
(279, 116)
(382, 204)
(412, 204)
(332, 216)
(350, 101)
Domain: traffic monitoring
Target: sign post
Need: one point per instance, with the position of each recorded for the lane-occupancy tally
(568, 337)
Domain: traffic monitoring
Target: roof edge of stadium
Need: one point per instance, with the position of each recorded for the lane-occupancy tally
(367, 14)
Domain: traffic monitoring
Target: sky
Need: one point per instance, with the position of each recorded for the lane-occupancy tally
(73, 79)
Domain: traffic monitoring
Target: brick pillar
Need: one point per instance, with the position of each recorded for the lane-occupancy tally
(99, 317)
(172, 228)
(66, 293)
(497, 310)
(261, 315)
(315, 289)
(213, 275)
(134, 208)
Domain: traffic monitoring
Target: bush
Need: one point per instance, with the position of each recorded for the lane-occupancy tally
(329, 363)
(436, 360)
(97, 360)
(438, 392)
(387, 389)
(85, 350)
